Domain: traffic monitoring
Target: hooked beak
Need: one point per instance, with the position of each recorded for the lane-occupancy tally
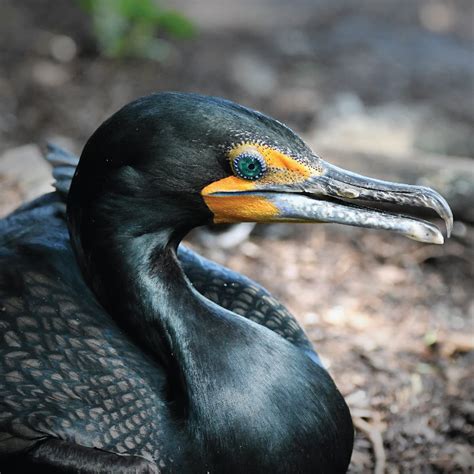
(345, 189)
(335, 195)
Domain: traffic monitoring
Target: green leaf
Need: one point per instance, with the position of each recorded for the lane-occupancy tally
(176, 24)
(128, 27)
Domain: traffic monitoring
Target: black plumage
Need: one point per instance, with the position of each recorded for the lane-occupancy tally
(121, 353)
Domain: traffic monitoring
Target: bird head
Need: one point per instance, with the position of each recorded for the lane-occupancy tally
(188, 160)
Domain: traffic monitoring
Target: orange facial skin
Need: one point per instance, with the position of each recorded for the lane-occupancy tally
(232, 209)
(275, 159)
(281, 169)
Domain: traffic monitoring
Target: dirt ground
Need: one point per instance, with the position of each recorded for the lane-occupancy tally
(391, 318)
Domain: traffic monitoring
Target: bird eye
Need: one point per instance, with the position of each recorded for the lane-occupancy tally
(249, 165)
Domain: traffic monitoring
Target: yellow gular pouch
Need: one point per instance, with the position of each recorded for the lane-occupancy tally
(281, 169)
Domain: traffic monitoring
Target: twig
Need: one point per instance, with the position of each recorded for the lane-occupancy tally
(375, 437)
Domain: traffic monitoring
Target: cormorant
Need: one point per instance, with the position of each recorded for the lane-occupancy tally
(121, 354)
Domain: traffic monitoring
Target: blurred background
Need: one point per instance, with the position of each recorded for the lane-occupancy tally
(381, 87)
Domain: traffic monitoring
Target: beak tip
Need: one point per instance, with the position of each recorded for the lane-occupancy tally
(443, 209)
(425, 233)
(438, 239)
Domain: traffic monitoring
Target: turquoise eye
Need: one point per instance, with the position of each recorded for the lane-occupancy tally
(249, 166)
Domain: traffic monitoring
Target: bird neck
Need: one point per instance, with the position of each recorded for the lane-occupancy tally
(156, 302)
(241, 389)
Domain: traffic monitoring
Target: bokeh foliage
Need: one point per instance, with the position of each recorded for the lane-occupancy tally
(127, 28)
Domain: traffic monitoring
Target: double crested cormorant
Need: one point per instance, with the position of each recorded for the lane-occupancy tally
(119, 353)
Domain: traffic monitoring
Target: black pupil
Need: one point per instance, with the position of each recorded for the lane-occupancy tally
(251, 166)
